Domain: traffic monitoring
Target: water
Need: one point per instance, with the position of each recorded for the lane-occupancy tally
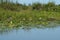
(37, 32)
(32, 34)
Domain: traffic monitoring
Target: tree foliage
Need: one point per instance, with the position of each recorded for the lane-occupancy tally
(10, 5)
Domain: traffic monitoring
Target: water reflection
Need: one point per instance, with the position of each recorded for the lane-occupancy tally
(33, 34)
(42, 31)
(27, 27)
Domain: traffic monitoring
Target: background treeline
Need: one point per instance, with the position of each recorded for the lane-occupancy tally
(15, 6)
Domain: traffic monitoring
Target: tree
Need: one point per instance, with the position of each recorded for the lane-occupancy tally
(36, 6)
(49, 6)
(1, 1)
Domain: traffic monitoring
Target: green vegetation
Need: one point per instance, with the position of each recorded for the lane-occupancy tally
(15, 14)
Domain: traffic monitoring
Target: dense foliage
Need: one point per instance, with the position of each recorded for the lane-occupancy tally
(10, 5)
(15, 13)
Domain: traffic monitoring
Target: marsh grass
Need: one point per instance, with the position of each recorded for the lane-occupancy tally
(13, 14)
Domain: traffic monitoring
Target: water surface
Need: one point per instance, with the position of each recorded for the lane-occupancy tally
(37, 32)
